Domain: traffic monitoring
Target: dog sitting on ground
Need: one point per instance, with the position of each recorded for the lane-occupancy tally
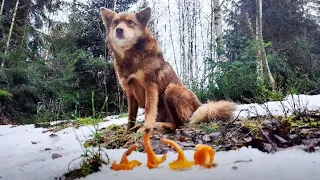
(149, 81)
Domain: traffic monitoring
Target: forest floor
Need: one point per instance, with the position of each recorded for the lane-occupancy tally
(47, 151)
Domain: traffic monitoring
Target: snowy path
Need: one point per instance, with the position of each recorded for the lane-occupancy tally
(26, 153)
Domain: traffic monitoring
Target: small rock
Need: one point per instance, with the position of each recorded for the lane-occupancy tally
(234, 167)
(206, 138)
(33, 142)
(313, 141)
(186, 144)
(162, 150)
(268, 148)
(247, 139)
(293, 136)
(155, 143)
(214, 136)
(53, 135)
(156, 137)
(310, 148)
(56, 155)
(305, 131)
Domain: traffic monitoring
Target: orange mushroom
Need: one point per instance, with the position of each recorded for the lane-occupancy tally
(182, 162)
(204, 156)
(125, 164)
(153, 160)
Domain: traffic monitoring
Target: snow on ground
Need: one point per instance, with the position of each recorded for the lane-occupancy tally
(311, 102)
(291, 164)
(26, 153)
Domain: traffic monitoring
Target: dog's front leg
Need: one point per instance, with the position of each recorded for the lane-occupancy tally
(151, 106)
(132, 110)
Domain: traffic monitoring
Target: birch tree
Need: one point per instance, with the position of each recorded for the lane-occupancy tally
(218, 29)
(261, 53)
(258, 54)
(10, 32)
(1, 9)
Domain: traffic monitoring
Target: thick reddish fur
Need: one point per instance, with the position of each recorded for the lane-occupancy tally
(150, 82)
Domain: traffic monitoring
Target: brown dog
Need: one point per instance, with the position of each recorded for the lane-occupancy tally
(149, 81)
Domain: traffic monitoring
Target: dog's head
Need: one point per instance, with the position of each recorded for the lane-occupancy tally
(124, 29)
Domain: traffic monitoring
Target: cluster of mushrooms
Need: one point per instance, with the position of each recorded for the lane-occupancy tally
(204, 156)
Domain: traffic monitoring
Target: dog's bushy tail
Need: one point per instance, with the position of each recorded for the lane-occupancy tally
(214, 110)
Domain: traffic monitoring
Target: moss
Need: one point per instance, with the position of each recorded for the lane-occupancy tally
(87, 121)
(210, 128)
(115, 128)
(252, 125)
(315, 124)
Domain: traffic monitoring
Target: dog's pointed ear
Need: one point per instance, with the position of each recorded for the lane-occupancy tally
(144, 16)
(107, 15)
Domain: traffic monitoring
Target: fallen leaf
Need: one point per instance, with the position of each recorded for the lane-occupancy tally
(182, 139)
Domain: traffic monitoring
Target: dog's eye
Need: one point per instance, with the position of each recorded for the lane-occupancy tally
(116, 22)
(130, 22)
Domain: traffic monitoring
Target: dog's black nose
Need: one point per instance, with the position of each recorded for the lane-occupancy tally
(119, 30)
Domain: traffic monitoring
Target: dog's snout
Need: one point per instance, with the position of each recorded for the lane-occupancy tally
(119, 30)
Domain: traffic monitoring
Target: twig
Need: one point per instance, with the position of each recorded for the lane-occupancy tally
(239, 161)
(227, 126)
(235, 131)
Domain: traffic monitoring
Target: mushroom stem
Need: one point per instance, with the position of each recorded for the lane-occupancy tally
(182, 162)
(153, 160)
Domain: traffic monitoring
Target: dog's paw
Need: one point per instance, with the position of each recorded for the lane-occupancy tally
(141, 129)
(144, 129)
(134, 129)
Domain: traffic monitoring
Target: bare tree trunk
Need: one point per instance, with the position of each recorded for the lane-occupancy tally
(218, 27)
(10, 32)
(212, 40)
(114, 5)
(264, 59)
(1, 9)
(195, 75)
(258, 54)
(250, 25)
(182, 40)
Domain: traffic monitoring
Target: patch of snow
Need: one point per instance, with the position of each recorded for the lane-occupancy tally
(26, 153)
(290, 164)
(275, 108)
